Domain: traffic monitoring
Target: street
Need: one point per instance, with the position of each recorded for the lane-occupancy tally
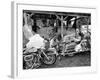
(78, 60)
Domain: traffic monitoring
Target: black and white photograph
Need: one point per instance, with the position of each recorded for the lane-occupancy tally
(50, 40)
(54, 39)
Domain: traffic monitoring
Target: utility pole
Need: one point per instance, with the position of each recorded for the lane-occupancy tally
(62, 26)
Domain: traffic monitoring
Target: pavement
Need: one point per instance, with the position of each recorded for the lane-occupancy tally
(78, 60)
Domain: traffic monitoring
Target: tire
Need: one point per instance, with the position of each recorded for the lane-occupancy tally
(52, 59)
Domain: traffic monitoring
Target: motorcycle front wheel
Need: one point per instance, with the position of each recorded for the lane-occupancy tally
(51, 59)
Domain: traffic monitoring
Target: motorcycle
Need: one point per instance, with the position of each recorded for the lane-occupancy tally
(72, 47)
(34, 58)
